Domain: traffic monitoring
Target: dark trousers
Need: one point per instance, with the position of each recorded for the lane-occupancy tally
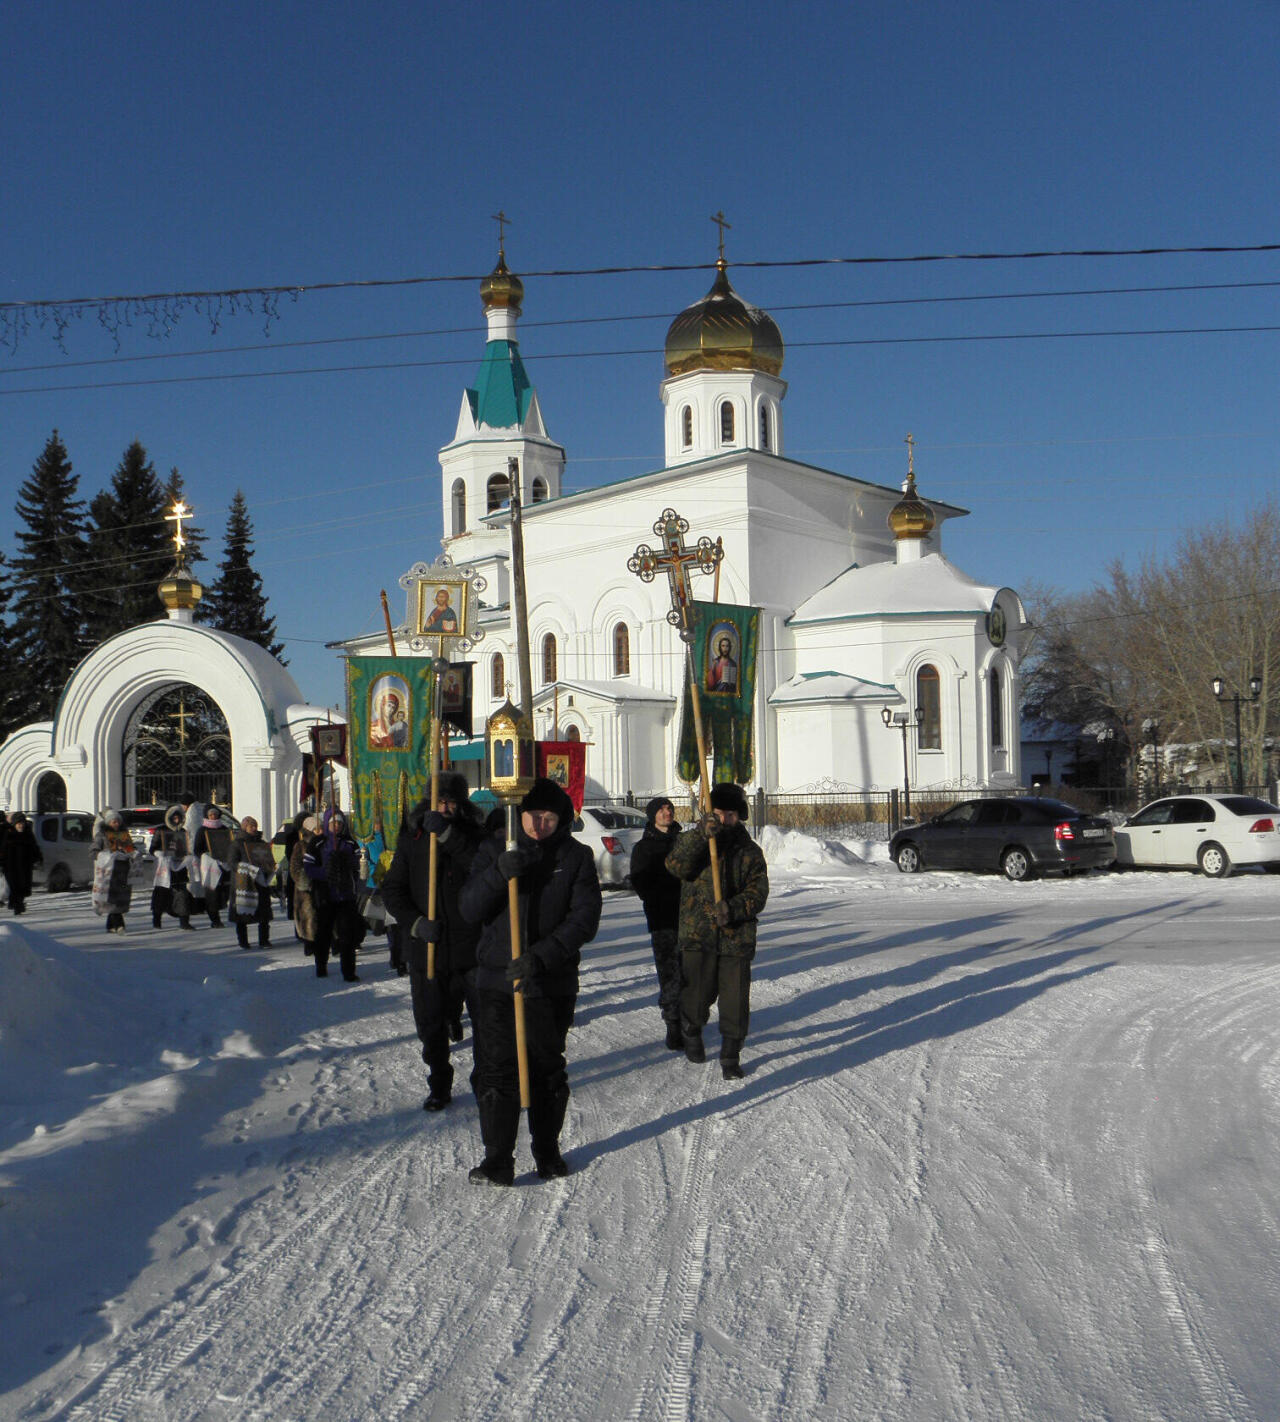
(17, 901)
(114, 920)
(328, 918)
(437, 1002)
(666, 958)
(710, 976)
(497, 1080)
(264, 934)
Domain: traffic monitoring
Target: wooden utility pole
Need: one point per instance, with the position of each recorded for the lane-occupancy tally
(518, 592)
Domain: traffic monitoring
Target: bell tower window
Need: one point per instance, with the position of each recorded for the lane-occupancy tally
(459, 506)
(497, 677)
(686, 428)
(498, 492)
(539, 490)
(549, 660)
(764, 427)
(621, 650)
(726, 422)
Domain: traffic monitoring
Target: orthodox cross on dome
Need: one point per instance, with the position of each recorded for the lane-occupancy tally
(503, 222)
(721, 223)
(910, 442)
(180, 512)
(677, 562)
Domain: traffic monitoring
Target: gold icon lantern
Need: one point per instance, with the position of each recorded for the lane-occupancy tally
(509, 753)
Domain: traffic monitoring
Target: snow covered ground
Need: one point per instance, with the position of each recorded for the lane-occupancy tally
(1002, 1151)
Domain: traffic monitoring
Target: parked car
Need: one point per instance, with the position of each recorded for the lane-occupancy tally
(143, 821)
(1210, 832)
(610, 831)
(65, 840)
(1022, 836)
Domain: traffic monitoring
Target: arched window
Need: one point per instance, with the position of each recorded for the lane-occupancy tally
(726, 422)
(997, 709)
(573, 734)
(686, 428)
(459, 506)
(498, 492)
(621, 650)
(497, 677)
(929, 703)
(764, 427)
(539, 490)
(549, 672)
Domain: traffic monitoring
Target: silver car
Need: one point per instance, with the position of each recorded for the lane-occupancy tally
(610, 831)
(65, 840)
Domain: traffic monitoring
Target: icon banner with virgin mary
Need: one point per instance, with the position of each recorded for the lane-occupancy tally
(389, 738)
(725, 643)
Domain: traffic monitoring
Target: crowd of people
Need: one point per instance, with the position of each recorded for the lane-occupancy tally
(702, 888)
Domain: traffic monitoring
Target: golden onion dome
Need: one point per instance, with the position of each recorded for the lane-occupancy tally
(180, 590)
(723, 332)
(911, 517)
(500, 288)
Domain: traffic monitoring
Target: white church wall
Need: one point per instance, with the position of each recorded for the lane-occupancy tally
(25, 756)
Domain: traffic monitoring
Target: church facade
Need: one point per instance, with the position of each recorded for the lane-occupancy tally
(861, 612)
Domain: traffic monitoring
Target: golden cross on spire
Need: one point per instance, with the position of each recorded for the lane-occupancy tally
(180, 512)
(677, 562)
(910, 442)
(721, 223)
(503, 221)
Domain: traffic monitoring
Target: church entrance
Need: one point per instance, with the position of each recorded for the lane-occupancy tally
(176, 739)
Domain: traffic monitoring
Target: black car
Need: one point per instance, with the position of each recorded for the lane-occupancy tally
(1022, 836)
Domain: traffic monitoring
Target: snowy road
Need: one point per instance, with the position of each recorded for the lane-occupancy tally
(1003, 1151)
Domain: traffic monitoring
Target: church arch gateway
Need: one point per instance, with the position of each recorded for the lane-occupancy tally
(176, 738)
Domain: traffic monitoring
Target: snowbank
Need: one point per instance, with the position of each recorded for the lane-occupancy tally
(792, 852)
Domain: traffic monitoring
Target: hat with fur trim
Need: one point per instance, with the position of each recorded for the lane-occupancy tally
(453, 786)
(729, 797)
(545, 794)
(175, 817)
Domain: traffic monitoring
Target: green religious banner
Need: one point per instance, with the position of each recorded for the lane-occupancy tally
(388, 739)
(725, 641)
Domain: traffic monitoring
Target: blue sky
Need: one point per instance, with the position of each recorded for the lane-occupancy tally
(155, 148)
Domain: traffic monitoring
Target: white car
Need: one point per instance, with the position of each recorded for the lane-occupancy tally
(1210, 832)
(610, 831)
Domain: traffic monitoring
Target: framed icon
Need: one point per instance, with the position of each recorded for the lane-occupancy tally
(390, 709)
(442, 608)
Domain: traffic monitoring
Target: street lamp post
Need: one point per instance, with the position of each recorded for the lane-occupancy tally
(903, 721)
(1255, 691)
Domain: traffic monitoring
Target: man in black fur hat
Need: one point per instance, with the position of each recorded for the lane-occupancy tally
(437, 1001)
(659, 892)
(718, 940)
(560, 904)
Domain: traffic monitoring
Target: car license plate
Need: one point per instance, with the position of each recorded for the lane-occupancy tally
(1095, 833)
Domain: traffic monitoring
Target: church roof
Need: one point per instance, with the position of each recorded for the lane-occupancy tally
(608, 690)
(828, 686)
(928, 585)
(502, 393)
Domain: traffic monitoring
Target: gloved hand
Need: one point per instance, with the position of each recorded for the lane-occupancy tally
(433, 822)
(721, 912)
(710, 826)
(513, 862)
(427, 929)
(524, 968)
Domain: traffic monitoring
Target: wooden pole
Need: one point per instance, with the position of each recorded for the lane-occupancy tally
(715, 591)
(521, 597)
(433, 850)
(513, 913)
(704, 794)
(386, 617)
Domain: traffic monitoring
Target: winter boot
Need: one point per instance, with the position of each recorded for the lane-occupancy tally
(730, 1047)
(499, 1123)
(675, 1037)
(546, 1121)
(693, 1046)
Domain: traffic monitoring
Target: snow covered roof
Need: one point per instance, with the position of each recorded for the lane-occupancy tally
(828, 686)
(608, 690)
(928, 585)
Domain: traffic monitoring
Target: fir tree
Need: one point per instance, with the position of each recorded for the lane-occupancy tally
(236, 602)
(9, 678)
(47, 629)
(129, 548)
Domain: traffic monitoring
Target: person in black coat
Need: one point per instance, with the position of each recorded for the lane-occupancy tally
(659, 892)
(330, 861)
(19, 854)
(560, 904)
(170, 840)
(438, 1001)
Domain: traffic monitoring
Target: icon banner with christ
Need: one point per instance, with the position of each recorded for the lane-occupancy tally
(724, 645)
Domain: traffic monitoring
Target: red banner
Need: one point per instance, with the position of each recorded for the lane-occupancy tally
(565, 762)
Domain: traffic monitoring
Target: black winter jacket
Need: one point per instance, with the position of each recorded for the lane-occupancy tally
(560, 905)
(659, 889)
(405, 887)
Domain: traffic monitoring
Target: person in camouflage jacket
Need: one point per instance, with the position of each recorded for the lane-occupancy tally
(718, 940)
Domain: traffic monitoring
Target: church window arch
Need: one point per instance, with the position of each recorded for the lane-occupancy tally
(459, 506)
(726, 422)
(497, 677)
(929, 705)
(621, 650)
(996, 693)
(686, 427)
(764, 427)
(550, 660)
(498, 492)
(51, 793)
(540, 491)
(573, 734)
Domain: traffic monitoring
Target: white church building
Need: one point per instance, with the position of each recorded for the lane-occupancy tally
(860, 610)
